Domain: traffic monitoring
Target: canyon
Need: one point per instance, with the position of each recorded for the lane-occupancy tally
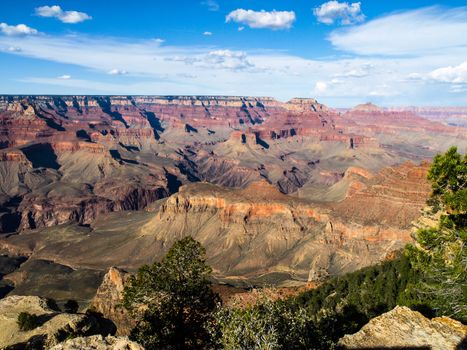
(283, 193)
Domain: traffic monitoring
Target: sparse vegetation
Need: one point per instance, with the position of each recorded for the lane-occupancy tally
(27, 321)
(440, 254)
(266, 325)
(71, 306)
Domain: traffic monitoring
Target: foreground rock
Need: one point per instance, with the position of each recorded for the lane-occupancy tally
(109, 297)
(53, 327)
(403, 328)
(98, 342)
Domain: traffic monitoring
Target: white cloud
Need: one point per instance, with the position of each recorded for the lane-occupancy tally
(13, 49)
(212, 5)
(343, 12)
(457, 89)
(82, 87)
(451, 74)
(64, 16)
(64, 77)
(217, 59)
(187, 75)
(117, 72)
(417, 32)
(336, 81)
(18, 30)
(354, 73)
(159, 41)
(320, 87)
(207, 33)
(49, 11)
(241, 28)
(384, 90)
(415, 77)
(262, 19)
(359, 72)
(188, 60)
(227, 59)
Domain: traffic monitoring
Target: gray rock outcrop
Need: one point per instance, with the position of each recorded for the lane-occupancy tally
(402, 328)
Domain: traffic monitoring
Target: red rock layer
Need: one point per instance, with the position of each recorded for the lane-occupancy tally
(137, 120)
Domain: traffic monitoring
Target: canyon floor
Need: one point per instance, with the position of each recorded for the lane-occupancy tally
(280, 194)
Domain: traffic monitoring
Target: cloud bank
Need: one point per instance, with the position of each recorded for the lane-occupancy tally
(417, 32)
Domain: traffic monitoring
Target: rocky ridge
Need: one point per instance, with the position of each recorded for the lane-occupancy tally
(54, 326)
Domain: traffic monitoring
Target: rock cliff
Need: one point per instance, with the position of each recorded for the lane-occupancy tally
(109, 297)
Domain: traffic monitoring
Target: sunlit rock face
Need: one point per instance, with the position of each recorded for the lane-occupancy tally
(403, 328)
(109, 297)
(54, 326)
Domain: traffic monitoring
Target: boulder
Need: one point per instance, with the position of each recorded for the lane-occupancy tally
(402, 328)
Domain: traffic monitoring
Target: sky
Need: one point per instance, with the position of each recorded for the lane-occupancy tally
(391, 53)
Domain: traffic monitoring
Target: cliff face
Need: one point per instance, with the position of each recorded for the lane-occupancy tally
(397, 194)
(135, 117)
(260, 227)
(109, 297)
(75, 184)
(403, 328)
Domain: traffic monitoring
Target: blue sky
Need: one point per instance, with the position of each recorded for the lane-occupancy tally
(343, 53)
